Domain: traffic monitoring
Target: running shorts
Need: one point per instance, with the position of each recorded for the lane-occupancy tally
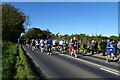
(71, 48)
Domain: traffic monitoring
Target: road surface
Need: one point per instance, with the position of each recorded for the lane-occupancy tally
(61, 65)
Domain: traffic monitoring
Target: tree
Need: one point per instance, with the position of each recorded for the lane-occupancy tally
(113, 37)
(38, 33)
(46, 34)
(13, 21)
(34, 33)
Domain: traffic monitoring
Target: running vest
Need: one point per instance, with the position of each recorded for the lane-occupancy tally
(49, 42)
(37, 43)
(42, 42)
(109, 44)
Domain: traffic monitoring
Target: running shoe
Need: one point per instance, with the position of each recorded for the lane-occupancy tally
(48, 53)
(107, 61)
(75, 56)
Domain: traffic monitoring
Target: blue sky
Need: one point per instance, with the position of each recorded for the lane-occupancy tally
(72, 17)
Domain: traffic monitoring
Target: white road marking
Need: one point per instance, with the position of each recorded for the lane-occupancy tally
(109, 71)
(101, 67)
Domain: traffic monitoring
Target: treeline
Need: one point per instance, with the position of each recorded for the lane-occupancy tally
(38, 33)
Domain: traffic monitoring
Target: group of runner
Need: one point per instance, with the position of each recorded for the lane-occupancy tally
(60, 45)
(73, 46)
(40, 44)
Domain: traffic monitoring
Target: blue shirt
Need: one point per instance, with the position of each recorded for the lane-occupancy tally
(79, 43)
(109, 44)
(49, 42)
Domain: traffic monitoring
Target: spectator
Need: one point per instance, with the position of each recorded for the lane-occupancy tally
(88, 47)
(103, 47)
(96, 46)
(93, 47)
(114, 48)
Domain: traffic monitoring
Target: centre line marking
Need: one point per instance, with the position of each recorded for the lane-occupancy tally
(101, 67)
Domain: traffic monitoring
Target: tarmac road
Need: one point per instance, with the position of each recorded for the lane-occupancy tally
(61, 65)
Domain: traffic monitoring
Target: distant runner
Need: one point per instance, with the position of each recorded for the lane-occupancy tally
(49, 46)
(42, 45)
(33, 44)
(37, 44)
(74, 46)
(109, 50)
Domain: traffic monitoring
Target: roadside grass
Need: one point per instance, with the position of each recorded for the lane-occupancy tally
(9, 53)
(23, 68)
(14, 63)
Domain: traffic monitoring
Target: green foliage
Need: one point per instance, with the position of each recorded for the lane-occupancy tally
(23, 69)
(12, 22)
(14, 63)
(114, 37)
(34, 33)
(9, 53)
(37, 33)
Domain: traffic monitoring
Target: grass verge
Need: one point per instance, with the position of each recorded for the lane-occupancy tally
(9, 53)
(14, 63)
(23, 69)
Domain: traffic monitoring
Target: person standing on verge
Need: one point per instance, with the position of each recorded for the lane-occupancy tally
(96, 47)
(114, 49)
(103, 47)
(93, 47)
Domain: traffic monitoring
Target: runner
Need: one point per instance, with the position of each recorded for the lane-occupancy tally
(118, 46)
(66, 45)
(109, 50)
(54, 45)
(45, 47)
(71, 47)
(61, 45)
(79, 44)
(33, 44)
(57, 44)
(49, 46)
(28, 42)
(74, 46)
(37, 44)
(42, 45)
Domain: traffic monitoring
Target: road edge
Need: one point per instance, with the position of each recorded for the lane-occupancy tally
(33, 65)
